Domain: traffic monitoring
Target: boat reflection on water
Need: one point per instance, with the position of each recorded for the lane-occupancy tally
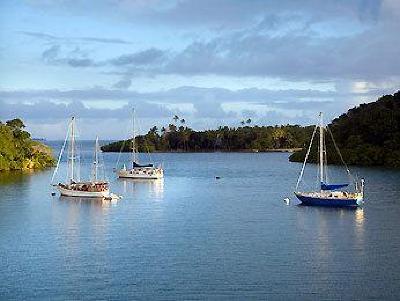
(100, 202)
(154, 188)
(322, 227)
(359, 216)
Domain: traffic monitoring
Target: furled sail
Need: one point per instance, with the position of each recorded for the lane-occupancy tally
(141, 165)
(332, 186)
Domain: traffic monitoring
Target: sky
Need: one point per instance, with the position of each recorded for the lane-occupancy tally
(211, 62)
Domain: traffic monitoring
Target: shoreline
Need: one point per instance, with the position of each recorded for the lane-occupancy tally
(277, 150)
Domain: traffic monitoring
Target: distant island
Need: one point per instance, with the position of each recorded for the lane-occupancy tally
(367, 135)
(245, 138)
(18, 151)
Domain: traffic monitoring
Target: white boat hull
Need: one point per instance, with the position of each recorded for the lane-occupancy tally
(149, 173)
(83, 194)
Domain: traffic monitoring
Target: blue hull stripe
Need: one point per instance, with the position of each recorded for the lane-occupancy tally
(327, 202)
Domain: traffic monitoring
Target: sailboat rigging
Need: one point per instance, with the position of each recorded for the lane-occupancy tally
(139, 171)
(329, 194)
(73, 186)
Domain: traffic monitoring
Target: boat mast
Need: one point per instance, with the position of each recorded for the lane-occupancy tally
(72, 149)
(133, 138)
(96, 160)
(321, 147)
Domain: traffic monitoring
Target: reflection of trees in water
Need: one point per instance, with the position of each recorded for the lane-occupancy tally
(14, 177)
(15, 184)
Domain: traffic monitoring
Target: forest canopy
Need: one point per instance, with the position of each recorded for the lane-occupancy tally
(181, 138)
(18, 151)
(368, 134)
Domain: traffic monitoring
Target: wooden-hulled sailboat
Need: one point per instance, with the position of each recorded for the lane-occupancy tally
(139, 171)
(73, 186)
(330, 195)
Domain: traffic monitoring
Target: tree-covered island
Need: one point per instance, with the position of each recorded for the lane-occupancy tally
(368, 134)
(18, 151)
(174, 138)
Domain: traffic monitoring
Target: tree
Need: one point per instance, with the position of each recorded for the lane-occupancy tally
(172, 127)
(154, 130)
(176, 118)
(248, 121)
(183, 121)
(15, 123)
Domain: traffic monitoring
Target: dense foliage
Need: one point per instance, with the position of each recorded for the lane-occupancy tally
(245, 138)
(366, 135)
(18, 151)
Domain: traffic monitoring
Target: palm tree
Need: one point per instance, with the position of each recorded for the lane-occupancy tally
(175, 118)
(248, 121)
(242, 122)
(183, 121)
(154, 130)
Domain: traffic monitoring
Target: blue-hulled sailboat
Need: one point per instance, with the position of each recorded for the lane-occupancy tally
(332, 195)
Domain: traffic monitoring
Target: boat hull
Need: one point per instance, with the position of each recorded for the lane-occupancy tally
(83, 194)
(150, 174)
(329, 202)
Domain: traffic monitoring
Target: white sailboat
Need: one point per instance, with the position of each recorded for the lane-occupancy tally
(331, 195)
(139, 171)
(73, 186)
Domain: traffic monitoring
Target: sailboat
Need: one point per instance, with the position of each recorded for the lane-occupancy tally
(73, 186)
(139, 171)
(332, 195)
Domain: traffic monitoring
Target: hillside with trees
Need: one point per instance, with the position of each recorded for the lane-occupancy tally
(18, 151)
(180, 138)
(366, 135)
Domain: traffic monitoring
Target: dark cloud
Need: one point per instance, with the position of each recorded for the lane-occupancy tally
(272, 40)
(51, 53)
(124, 83)
(80, 62)
(138, 61)
(75, 58)
(58, 39)
(293, 56)
(145, 57)
(214, 14)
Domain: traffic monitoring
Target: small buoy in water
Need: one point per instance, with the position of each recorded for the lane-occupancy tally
(53, 194)
(287, 201)
(217, 177)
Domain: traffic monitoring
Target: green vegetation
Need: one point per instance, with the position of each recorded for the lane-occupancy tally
(245, 138)
(366, 135)
(18, 151)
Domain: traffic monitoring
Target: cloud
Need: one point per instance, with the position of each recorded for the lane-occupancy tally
(141, 58)
(289, 40)
(58, 39)
(39, 110)
(78, 58)
(213, 14)
(51, 53)
(206, 103)
(295, 56)
(124, 83)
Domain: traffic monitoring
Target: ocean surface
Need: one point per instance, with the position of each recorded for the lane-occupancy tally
(192, 236)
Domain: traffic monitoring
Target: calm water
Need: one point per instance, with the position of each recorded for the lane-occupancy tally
(194, 237)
